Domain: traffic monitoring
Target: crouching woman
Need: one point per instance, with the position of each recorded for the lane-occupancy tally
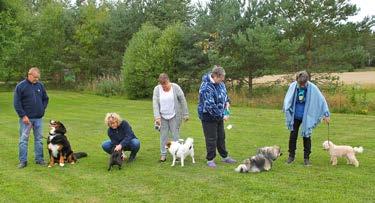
(121, 136)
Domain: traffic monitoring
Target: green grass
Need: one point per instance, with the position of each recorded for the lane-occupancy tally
(149, 181)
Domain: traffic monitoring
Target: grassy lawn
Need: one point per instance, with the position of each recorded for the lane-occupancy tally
(149, 181)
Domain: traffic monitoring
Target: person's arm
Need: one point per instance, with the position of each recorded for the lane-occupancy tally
(156, 104)
(111, 137)
(323, 105)
(327, 114)
(17, 102)
(45, 97)
(182, 99)
(128, 133)
(227, 99)
(209, 103)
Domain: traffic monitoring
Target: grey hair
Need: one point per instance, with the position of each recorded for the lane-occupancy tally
(302, 77)
(163, 78)
(33, 69)
(218, 71)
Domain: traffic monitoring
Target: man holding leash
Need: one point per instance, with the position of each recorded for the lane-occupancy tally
(305, 106)
(30, 102)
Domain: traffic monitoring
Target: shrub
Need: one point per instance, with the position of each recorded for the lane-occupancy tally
(107, 86)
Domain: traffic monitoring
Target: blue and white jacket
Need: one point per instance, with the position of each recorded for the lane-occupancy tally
(212, 99)
(30, 99)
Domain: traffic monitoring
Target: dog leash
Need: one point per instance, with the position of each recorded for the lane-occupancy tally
(328, 131)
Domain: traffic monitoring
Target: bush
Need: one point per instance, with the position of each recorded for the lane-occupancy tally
(139, 63)
(107, 86)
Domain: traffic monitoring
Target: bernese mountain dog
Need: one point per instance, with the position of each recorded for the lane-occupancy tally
(59, 147)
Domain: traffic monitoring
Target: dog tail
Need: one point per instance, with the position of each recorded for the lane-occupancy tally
(79, 155)
(241, 168)
(358, 149)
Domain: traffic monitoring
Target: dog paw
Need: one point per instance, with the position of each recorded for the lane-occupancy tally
(61, 164)
(49, 166)
(73, 162)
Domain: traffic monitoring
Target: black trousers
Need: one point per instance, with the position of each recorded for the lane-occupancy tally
(293, 141)
(215, 138)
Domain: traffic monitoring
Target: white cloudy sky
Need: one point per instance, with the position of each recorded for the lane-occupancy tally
(367, 8)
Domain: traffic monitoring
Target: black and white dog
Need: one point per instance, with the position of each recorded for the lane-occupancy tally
(262, 161)
(59, 148)
(181, 149)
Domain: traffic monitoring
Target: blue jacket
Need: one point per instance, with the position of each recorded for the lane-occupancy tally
(123, 134)
(212, 100)
(30, 99)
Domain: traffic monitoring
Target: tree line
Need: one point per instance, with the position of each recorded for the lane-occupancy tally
(76, 42)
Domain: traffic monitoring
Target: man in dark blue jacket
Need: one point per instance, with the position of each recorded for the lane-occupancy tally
(30, 102)
(213, 103)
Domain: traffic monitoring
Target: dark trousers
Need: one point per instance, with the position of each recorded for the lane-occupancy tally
(215, 139)
(293, 141)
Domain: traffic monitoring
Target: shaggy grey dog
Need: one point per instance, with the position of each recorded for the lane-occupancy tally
(260, 162)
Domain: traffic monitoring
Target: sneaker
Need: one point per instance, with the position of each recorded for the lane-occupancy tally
(131, 158)
(228, 160)
(22, 165)
(163, 158)
(211, 164)
(42, 163)
(307, 162)
(290, 160)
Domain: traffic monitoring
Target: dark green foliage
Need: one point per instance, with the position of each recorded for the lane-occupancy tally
(140, 64)
(76, 42)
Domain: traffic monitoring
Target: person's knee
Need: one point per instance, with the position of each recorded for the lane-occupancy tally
(135, 144)
(106, 145)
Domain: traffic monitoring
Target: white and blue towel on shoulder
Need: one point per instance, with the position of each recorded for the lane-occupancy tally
(315, 108)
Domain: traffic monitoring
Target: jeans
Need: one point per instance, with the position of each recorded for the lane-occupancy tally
(25, 130)
(293, 141)
(133, 146)
(171, 125)
(215, 139)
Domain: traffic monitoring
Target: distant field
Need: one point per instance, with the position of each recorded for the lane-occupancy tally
(146, 180)
(364, 78)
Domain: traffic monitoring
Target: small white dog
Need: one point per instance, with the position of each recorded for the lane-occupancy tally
(336, 151)
(180, 149)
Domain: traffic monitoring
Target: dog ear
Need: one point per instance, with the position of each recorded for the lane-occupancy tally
(168, 145)
(63, 128)
(60, 127)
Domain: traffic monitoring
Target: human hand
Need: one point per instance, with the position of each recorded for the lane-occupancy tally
(227, 105)
(118, 147)
(26, 120)
(226, 118)
(326, 120)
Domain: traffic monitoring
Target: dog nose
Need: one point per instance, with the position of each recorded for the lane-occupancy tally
(281, 154)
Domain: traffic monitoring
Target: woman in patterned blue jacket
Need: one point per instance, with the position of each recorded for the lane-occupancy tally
(213, 101)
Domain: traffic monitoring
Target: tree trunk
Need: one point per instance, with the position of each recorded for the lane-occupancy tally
(309, 50)
(250, 91)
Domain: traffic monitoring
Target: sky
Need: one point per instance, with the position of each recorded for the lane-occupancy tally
(367, 8)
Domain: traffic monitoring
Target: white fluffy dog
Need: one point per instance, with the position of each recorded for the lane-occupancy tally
(336, 151)
(180, 149)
